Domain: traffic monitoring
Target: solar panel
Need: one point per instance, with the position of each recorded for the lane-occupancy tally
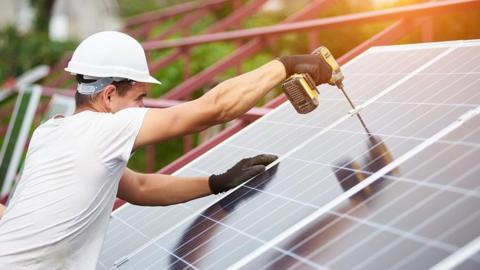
(411, 95)
(413, 221)
(17, 135)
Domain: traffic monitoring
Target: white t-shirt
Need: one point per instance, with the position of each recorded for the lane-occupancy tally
(59, 212)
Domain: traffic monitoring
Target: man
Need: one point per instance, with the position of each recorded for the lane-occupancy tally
(76, 165)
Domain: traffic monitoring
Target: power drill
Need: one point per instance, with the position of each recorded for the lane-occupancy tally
(301, 89)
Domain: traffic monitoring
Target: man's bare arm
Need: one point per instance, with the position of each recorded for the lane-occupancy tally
(159, 189)
(227, 101)
(2, 210)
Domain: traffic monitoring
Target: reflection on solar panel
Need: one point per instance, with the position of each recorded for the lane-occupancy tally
(405, 198)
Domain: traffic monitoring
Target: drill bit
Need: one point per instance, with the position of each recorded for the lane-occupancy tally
(340, 86)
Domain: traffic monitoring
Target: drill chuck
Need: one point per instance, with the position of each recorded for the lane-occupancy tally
(337, 76)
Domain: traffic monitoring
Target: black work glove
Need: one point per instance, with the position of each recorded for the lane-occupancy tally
(248, 191)
(314, 65)
(241, 172)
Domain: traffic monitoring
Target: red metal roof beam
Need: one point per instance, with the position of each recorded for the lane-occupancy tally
(237, 17)
(411, 11)
(240, 54)
(183, 24)
(169, 12)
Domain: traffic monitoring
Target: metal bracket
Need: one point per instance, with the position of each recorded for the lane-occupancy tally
(355, 111)
(469, 115)
(120, 261)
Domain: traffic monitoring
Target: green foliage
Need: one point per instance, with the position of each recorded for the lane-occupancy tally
(160, 28)
(167, 152)
(200, 25)
(170, 76)
(133, 7)
(204, 56)
(21, 52)
(261, 20)
(43, 11)
(201, 57)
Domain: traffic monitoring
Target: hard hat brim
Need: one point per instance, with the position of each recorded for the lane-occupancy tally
(152, 80)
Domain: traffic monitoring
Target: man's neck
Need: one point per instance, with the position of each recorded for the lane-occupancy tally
(92, 108)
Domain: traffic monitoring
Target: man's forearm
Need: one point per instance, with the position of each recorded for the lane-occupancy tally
(160, 189)
(237, 95)
(2, 210)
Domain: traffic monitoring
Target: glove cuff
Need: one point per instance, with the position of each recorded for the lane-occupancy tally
(287, 63)
(214, 182)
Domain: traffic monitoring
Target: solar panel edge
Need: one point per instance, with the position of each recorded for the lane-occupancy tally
(421, 46)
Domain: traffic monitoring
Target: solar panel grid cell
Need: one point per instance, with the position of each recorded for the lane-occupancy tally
(241, 226)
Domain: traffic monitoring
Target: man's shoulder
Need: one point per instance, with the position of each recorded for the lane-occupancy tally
(131, 110)
(125, 116)
(86, 119)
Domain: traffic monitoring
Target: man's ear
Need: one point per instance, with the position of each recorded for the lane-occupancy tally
(108, 94)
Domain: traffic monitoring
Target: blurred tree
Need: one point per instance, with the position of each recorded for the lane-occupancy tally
(133, 7)
(43, 13)
(22, 51)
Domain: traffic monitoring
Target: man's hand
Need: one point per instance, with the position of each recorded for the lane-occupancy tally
(241, 172)
(314, 65)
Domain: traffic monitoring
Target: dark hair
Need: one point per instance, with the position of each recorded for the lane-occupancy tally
(81, 99)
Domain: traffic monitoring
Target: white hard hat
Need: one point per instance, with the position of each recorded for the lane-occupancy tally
(111, 54)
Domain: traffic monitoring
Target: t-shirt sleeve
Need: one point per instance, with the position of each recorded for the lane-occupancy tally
(117, 135)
